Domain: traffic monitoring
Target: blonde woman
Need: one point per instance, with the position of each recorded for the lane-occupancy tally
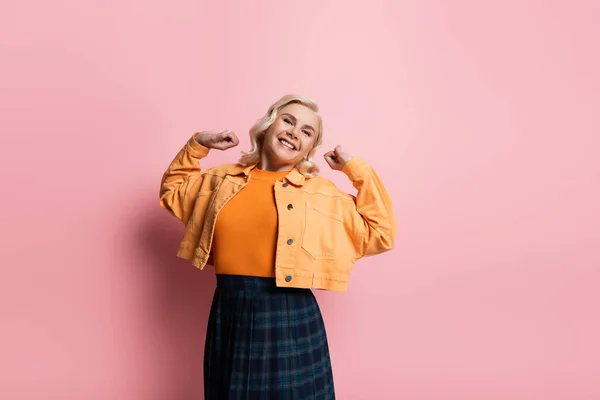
(274, 230)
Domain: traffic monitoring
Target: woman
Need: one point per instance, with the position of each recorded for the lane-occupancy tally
(274, 230)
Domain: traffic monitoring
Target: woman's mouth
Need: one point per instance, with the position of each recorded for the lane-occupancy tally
(287, 144)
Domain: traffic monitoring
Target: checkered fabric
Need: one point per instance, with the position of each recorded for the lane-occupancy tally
(265, 343)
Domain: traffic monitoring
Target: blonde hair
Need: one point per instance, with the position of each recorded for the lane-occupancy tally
(306, 167)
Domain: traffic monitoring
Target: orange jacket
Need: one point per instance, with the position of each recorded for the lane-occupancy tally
(322, 231)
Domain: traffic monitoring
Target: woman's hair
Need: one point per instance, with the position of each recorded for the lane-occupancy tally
(307, 167)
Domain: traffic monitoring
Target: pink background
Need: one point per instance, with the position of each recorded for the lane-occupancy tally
(481, 117)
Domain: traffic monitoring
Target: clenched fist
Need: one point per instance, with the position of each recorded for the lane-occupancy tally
(221, 141)
(337, 158)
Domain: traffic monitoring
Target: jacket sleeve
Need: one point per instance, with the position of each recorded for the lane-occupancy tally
(373, 221)
(181, 182)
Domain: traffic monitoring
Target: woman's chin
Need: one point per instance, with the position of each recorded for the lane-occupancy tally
(284, 155)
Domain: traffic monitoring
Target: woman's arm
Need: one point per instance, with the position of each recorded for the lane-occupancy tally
(373, 218)
(181, 182)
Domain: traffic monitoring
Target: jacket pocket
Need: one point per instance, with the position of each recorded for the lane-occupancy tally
(204, 199)
(322, 234)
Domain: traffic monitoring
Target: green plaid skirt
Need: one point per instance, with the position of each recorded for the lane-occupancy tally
(265, 343)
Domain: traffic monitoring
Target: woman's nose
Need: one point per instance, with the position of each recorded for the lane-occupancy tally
(292, 132)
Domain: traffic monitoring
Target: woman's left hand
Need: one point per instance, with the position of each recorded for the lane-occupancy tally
(337, 158)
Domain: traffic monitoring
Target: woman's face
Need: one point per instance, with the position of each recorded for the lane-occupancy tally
(290, 138)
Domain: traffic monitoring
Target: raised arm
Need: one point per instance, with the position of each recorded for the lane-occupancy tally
(373, 220)
(181, 181)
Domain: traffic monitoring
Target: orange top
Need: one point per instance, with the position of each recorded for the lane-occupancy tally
(245, 235)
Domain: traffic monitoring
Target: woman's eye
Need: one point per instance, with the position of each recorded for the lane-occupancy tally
(307, 133)
(287, 121)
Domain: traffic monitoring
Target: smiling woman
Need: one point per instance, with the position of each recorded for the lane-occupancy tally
(289, 140)
(275, 230)
(291, 115)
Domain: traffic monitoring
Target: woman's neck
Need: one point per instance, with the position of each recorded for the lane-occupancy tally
(264, 165)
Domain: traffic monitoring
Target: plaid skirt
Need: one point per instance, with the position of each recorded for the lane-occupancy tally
(265, 343)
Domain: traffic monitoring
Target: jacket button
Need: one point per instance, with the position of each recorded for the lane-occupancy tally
(290, 241)
(285, 184)
(290, 206)
(288, 278)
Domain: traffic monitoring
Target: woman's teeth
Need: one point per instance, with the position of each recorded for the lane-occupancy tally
(286, 144)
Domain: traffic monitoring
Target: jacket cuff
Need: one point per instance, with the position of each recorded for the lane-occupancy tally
(355, 168)
(195, 148)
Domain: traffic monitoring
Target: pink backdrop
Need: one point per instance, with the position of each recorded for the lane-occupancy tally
(481, 119)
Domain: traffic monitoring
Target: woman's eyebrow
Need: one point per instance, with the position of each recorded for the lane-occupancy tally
(294, 118)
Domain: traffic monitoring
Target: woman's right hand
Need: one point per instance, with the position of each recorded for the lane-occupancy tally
(221, 141)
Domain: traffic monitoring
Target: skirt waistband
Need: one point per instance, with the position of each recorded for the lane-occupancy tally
(252, 284)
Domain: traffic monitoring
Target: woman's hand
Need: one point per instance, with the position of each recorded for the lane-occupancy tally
(221, 141)
(337, 158)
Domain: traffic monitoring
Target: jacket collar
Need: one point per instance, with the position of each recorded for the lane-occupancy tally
(294, 176)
